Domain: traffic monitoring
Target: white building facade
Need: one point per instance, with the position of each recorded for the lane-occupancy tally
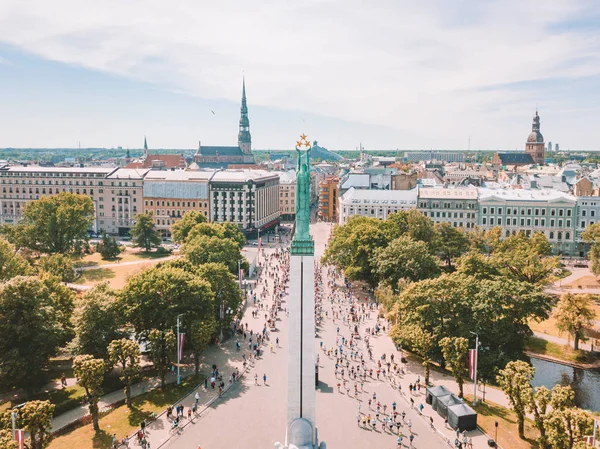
(375, 203)
(457, 206)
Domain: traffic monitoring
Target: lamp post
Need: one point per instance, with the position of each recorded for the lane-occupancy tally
(13, 416)
(475, 368)
(178, 351)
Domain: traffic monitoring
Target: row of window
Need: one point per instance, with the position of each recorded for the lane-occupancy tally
(54, 175)
(457, 205)
(515, 211)
(524, 222)
(179, 203)
(451, 214)
(550, 235)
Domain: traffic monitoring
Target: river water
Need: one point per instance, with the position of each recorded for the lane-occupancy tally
(585, 383)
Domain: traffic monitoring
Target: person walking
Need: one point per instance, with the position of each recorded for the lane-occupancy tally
(264, 379)
(197, 397)
(256, 379)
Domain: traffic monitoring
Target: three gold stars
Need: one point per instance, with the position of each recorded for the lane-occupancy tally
(303, 142)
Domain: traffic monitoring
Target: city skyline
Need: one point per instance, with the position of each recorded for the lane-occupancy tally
(391, 76)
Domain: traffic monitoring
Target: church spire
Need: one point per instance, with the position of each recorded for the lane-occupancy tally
(145, 147)
(536, 122)
(244, 139)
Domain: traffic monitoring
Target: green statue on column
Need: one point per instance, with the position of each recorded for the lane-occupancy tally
(303, 242)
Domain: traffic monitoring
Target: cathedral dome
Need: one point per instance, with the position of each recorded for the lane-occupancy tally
(535, 137)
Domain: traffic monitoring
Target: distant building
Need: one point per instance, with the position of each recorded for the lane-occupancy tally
(456, 206)
(158, 161)
(446, 156)
(328, 198)
(404, 181)
(513, 159)
(224, 157)
(518, 210)
(549, 147)
(535, 141)
(170, 194)
(248, 198)
(287, 195)
(375, 203)
(556, 148)
(125, 186)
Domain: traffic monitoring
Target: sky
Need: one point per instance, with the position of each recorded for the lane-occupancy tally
(392, 74)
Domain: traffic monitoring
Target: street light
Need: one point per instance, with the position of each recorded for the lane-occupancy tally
(475, 367)
(178, 351)
(13, 416)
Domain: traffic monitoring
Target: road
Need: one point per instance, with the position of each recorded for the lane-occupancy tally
(255, 416)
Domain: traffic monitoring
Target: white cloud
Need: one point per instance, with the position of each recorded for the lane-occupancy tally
(424, 67)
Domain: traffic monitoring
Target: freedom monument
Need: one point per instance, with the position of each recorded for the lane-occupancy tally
(301, 432)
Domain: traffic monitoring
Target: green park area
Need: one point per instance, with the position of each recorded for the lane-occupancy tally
(95, 337)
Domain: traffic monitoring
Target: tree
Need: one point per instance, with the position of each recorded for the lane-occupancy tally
(405, 258)
(455, 351)
(573, 314)
(199, 335)
(162, 345)
(232, 231)
(515, 381)
(353, 246)
(33, 324)
(526, 259)
(449, 242)
(125, 354)
(108, 247)
(181, 228)
(226, 290)
(594, 257)
(143, 233)
(477, 265)
(420, 227)
(6, 440)
(152, 299)
(419, 341)
(98, 321)
(90, 374)
(57, 223)
(203, 249)
(11, 263)
(58, 265)
(35, 417)
(567, 428)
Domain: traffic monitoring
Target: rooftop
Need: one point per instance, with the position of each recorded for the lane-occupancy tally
(453, 193)
(39, 169)
(524, 195)
(129, 173)
(243, 175)
(179, 175)
(402, 197)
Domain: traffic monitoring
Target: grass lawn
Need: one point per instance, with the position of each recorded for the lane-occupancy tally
(543, 347)
(123, 421)
(91, 277)
(508, 435)
(129, 255)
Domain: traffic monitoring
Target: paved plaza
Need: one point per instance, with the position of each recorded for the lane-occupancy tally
(254, 416)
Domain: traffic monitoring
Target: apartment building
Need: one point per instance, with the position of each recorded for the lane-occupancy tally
(518, 210)
(248, 198)
(21, 184)
(287, 194)
(170, 194)
(457, 206)
(328, 198)
(375, 203)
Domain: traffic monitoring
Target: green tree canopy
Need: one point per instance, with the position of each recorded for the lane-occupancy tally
(143, 233)
(515, 381)
(108, 247)
(449, 242)
(125, 354)
(90, 374)
(405, 258)
(573, 314)
(455, 352)
(98, 321)
(34, 324)
(12, 263)
(181, 228)
(35, 417)
(162, 345)
(225, 287)
(58, 265)
(203, 249)
(153, 299)
(56, 223)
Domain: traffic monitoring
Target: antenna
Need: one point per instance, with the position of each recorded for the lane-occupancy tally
(469, 146)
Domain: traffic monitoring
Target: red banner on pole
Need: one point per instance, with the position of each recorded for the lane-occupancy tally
(181, 340)
(472, 361)
(20, 438)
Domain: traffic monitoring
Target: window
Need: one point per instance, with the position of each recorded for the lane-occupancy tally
(568, 223)
(499, 210)
(551, 234)
(567, 235)
(499, 221)
(568, 213)
(483, 220)
(592, 213)
(491, 210)
(492, 221)
(583, 212)
(543, 211)
(485, 210)
(560, 212)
